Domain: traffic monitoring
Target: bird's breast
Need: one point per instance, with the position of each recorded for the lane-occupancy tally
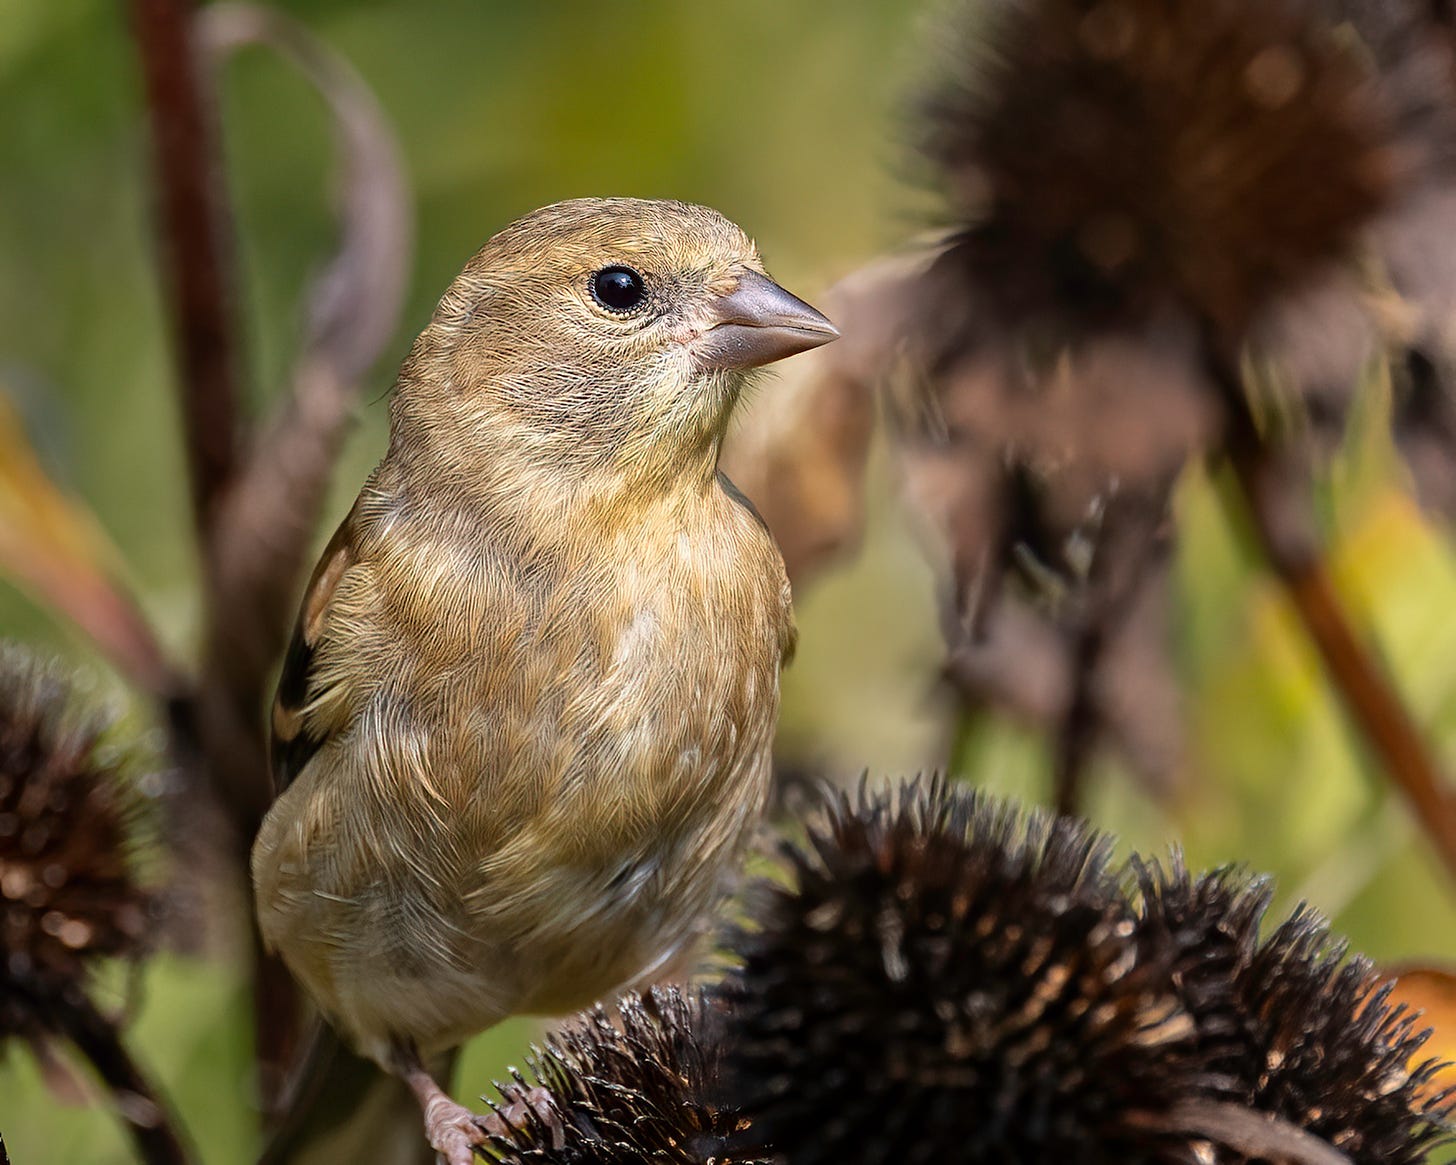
(553, 762)
(660, 708)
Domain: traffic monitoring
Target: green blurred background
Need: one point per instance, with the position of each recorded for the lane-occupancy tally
(785, 118)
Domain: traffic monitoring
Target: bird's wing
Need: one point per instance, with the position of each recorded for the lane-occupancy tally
(730, 487)
(293, 744)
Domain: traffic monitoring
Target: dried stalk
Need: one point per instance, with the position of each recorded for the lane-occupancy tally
(149, 1122)
(258, 546)
(191, 220)
(139, 1105)
(1277, 496)
(1076, 734)
(257, 498)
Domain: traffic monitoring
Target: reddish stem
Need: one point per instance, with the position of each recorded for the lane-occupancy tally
(190, 222)
(1278, 502)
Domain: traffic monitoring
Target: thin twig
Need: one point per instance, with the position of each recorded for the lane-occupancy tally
(1077, 732)
(191, 222)
(1130, 540)
(265, 527)
(1277, 495)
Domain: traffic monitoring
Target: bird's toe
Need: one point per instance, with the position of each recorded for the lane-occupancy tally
(526, 1107)
(454, 1132)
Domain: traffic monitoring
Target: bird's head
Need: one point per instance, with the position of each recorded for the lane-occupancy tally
(603, 334)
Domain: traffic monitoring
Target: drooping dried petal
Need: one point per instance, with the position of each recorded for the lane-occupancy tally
(1431, 991)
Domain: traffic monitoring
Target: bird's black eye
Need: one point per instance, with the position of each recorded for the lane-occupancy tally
(618, 289)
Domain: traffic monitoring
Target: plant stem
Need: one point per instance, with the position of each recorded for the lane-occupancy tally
(140, 1107)
(1277, 496)
(191, 221)
(1077, 732)
(216, 729)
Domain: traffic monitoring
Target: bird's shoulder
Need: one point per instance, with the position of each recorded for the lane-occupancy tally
(734, 494)
(763, 563)
(407, 587)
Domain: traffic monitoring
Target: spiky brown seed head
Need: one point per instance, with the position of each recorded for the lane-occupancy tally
(1112, 160)
(1295, 1028)
(1211, 924)
(630, 1088)
(69, 890)
(1327, 1050)
(939, 978)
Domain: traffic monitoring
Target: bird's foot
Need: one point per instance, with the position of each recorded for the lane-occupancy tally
(454, 1131)
(525, 1108)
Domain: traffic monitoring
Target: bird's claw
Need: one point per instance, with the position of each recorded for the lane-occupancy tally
(523, 1105)
(454, 1131)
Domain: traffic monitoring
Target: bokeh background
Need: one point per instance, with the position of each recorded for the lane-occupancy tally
(786, 117)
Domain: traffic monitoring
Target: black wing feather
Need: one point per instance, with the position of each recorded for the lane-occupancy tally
(292, 745)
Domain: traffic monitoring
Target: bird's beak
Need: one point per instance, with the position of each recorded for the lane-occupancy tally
(757, 323)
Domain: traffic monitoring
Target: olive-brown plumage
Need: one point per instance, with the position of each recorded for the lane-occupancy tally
(524, 724)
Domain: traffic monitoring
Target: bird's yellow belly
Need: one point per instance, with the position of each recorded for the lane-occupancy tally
(553, 861)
